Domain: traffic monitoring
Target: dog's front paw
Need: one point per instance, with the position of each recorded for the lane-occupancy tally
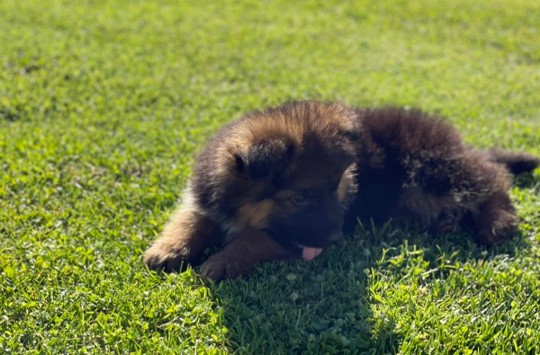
(223, 266)
(162, 256)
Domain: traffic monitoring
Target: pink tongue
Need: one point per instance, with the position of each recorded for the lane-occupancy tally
(309, 254)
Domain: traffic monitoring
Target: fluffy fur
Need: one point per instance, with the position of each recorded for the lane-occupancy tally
(288, 181)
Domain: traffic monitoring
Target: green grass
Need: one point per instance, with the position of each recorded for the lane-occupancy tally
(103, 106)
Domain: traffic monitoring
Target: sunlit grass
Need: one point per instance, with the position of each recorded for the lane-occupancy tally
(103, 106)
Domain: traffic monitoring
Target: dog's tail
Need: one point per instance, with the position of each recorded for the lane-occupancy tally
(515, 162)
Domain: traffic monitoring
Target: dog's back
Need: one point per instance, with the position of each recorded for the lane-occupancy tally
(416, 167)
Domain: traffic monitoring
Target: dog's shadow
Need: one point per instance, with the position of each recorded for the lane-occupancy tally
(332, 305)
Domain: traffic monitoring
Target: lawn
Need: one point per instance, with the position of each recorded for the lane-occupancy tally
(104, 104)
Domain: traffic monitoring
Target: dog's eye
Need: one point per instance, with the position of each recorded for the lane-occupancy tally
(299, 199)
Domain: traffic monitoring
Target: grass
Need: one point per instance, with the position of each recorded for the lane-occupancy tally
(103, 106)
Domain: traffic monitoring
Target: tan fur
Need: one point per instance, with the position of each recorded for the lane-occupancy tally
(241, 255)
(254, 214)
(347, 184)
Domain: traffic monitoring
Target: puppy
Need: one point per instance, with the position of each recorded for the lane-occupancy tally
(288, 181)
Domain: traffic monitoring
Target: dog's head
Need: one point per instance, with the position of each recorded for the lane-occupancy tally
(298, 174)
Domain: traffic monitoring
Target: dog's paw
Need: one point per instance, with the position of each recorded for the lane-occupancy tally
(499, 229)
(504, 228)
(447, 222)
(165, 257)
(223, 266)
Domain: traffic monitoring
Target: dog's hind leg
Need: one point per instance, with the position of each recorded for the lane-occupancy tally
(495, 220)
(464, 185)
(485, 195)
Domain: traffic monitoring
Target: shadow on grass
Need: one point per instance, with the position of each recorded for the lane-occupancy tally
(320, 307)
(328, 305)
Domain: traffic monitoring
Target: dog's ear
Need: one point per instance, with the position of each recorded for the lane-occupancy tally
(266, 159)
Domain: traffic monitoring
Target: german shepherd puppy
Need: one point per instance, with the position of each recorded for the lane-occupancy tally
(288, 181)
